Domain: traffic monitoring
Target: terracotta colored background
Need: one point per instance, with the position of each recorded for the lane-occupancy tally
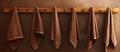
(46, 44)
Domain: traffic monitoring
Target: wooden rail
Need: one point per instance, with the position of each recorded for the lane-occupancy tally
(66, 10)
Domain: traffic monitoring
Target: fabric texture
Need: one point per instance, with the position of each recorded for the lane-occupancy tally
(14, 34)
(56, 32)
(37, 29)
(93, 33)
(110, 38)
(74, 35)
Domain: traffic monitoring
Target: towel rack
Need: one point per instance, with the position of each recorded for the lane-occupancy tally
(66, 10)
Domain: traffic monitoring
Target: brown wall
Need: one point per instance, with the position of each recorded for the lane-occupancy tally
(46, 44)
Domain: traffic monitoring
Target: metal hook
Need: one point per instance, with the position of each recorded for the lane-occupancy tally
(64, 10)
(100, 10)
(82, 10)
(27, 10)
(45, 10)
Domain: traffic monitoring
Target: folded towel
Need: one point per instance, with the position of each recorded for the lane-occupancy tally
(74, 29)
(55, 32)
(37, 29)
(14, 34)
(92, 28)
(110, 38)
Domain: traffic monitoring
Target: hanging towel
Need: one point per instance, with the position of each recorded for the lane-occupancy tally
(74, 29)
(37, 29)
(14, 34)
(55, 32)
(110, 38)
(92, 28)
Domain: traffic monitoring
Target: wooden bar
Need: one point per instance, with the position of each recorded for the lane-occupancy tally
(66, 10)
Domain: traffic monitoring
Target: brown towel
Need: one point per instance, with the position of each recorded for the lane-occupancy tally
(14, 34)
(92, 28)
(110, 38)
(37, 29)
(56, 33)
(74, 29)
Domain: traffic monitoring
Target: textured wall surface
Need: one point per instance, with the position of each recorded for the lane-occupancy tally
(46, 44)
